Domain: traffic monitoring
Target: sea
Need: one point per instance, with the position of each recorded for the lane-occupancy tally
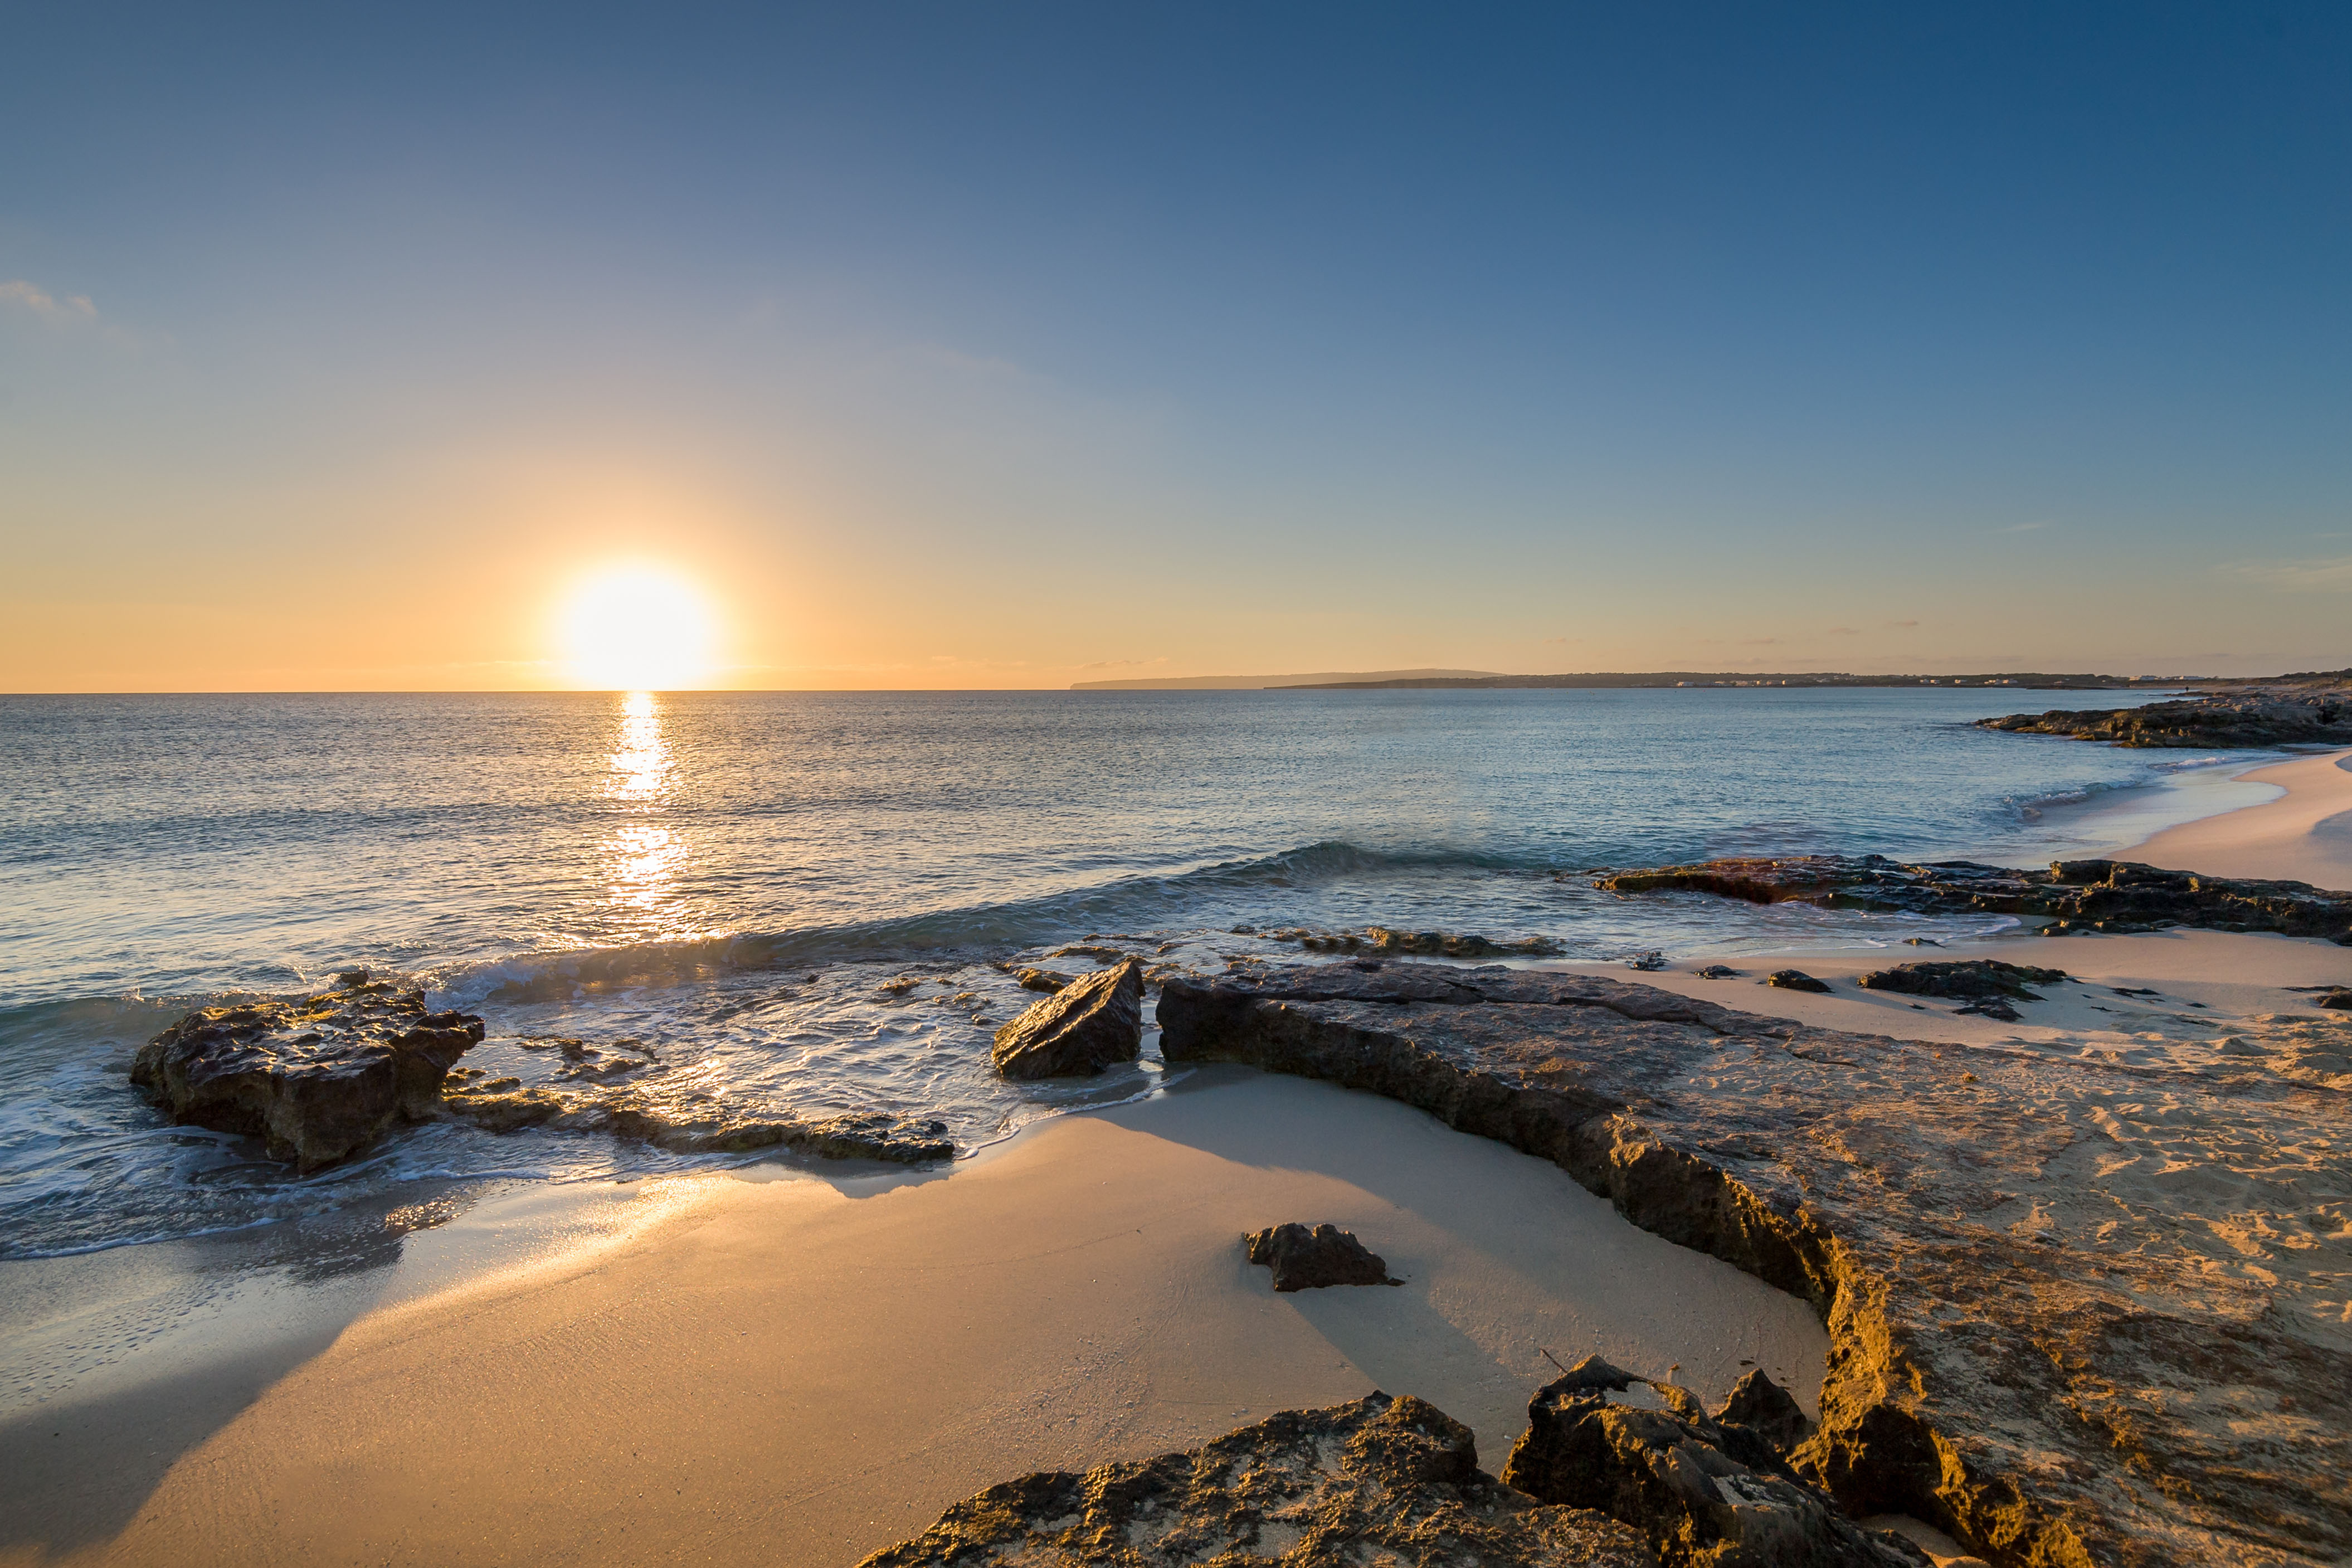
(813, 903)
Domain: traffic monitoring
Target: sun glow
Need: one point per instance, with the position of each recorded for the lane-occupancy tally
(637, 629)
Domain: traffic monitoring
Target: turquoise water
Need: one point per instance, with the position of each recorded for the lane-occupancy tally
(731, 877)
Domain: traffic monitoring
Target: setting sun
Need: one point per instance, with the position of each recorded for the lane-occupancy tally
(637, 629)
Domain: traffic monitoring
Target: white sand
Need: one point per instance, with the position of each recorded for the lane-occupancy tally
(796, 1370)
(2304, 836)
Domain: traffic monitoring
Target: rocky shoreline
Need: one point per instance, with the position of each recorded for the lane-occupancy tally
(2047, 1342)
(2116, 896)
(2291, 711)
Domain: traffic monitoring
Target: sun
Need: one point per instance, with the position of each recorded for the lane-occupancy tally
(637, 629)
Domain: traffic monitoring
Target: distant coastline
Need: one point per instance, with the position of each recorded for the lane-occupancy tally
(1477, 680)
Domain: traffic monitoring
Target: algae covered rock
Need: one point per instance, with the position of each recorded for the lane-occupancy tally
(1379, 1481)
(317, 1078)
(1084, 1027)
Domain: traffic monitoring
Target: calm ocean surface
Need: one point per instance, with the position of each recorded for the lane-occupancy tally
(730, 877)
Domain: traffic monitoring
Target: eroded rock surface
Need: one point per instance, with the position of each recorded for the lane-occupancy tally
(1795, 980)
(1968, 980)
(1093, 1021)
(316, 1079)
(1704, 1491)
(2094, 895)
(1380, 1480)
(2081, 1311)
(1308, 1258)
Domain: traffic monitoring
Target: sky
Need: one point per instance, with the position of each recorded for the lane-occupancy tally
(1012, 345)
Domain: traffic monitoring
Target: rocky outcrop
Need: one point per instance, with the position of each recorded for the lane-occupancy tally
(1380, 1480)
(1970, 980)
(1707, 1492)
(2247, 719)
(1304, 1258)
(317, 1078)
(2073, 895)
(1795, 980)
(689, 1127)
(1049, 981)
(1389, 942)
(2081, 1312)
(1086, 1026)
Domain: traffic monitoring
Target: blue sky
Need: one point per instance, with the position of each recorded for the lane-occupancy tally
(1012, 345)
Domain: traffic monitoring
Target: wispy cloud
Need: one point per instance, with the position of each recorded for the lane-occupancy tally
(2022, 528)
(21, 295)
(1761, 642)
(1548, 641)
(1123, 663)
(2331, 576)
(1845, 631)
(1903, 623)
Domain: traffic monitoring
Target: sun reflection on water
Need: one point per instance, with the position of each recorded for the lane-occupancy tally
(642, 858)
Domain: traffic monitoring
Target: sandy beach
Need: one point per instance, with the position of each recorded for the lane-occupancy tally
(777, 1367)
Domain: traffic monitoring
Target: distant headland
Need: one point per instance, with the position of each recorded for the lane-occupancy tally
(1474, 680)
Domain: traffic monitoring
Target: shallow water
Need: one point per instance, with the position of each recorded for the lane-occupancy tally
(725, 880)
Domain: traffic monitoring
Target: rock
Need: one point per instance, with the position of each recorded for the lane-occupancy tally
(1765, 1408)
(1795, 980)
(317, 1078)
(2040, 1341)
(1043, 980)
(1719, 971)
(900, 986)
(2335, 999)
(2262, 718)
(1974, 980)
(1380, 1480)
(1088, 1024)
(1416, 943)
(1091, 950)
(1647, 960)
(1668, 1474)
(1991, 1007)
(686, 1128)
(2093, 895)
(1308, 1259)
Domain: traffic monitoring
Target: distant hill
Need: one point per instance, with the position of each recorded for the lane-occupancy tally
(1265, 682)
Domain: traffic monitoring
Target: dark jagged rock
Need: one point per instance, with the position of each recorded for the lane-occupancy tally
(2043, 1342)
(1672, 1475)
(2085, 895)
(2248, 719)
(1081, 1029)
(1796, 980)
(316, 1079)
(2335, 999)
(1388, 942)
(1046, 979)
(1718, 972)
(1968, 980)
(1767, 1409)
(1380, 1480)
(1304, 1258)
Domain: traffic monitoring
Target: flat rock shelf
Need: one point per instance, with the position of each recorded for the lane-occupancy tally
(2080, 1312)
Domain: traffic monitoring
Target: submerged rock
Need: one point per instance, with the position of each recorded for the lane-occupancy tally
(1795, 980)
(1081, 1029)
(316, 1079)
(1046, 979)
(1673, 1475)
(2086, 895)
(1380, 1480)
(1304, 1258)
(1415, 943)
(2047, 1340)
